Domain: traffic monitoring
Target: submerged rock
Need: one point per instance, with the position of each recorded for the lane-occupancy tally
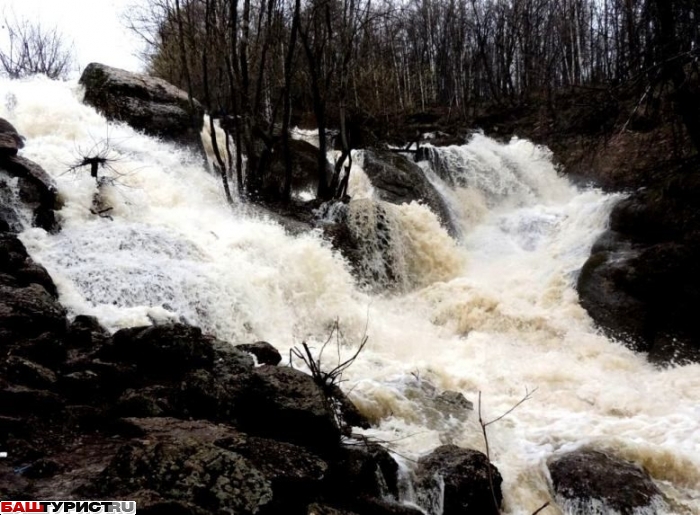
(146, 103)
(398, 180)
(589, 481)
(471, 484)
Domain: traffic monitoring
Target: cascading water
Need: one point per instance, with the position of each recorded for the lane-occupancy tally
(503, 317)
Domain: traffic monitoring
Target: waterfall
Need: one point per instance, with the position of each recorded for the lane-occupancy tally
(494, 312)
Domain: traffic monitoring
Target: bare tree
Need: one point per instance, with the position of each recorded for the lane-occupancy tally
(32, 49)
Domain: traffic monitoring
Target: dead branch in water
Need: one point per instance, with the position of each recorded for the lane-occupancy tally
(484, 425)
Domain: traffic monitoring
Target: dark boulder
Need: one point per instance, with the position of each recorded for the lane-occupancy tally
(161, 351)
(363, 469)
(292, 475)
(471, 483)
(585, 479)
(10, 140)
(602, 292)
(27, 373)
(642, 281)
(86, 332)
(9, 145)
(23, 271)
(186, 470)
(286, 404)
(146, 103)
(37, 190)
(265, 353)
(399, 181)
(27, 312)
(366, 234)
(304, 161)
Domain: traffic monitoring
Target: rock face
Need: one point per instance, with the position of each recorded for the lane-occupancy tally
(642, 281)
(35, 192)
(398, 180)
(593, 482)
(146, 103)
(465, 476)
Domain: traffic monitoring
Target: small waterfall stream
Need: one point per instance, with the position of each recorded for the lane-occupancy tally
(495, 312)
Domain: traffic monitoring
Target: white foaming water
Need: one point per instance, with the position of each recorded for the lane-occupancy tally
(505, 317)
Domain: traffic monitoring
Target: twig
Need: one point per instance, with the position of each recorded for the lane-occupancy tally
(484, 425)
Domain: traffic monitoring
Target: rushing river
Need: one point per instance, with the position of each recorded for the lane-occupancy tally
(494, 312)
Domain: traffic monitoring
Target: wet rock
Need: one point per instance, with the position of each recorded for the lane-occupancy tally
(204, 395)
(9, 144)
(217, 393)
(398, 180)
(27, 312)
(16, 263)
(645, 297)
(603, 294)
(27, 373)
(37, 190)
(83, 385)
(146, 103)
(161, 351)
(367, 235)
(86, 332)
(6, 128)
(363, 469)
(642, 281)
(152, 401)
(296, 475)
(19, 400)
(348, 412)
(589, 481)
(286, 404)
(453, 404)
(47, 349)
(189, 471)
(304, 160)
(465, 474)
(265, 353)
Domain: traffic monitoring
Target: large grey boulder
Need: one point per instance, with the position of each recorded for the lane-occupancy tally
(399, 181)
(588, 481)
(148, 104)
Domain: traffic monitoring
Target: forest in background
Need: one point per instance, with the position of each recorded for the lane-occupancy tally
(359, 68)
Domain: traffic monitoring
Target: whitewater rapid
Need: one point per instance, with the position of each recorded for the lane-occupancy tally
(495, 312)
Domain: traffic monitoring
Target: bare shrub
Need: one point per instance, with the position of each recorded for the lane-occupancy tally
(30, 48)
